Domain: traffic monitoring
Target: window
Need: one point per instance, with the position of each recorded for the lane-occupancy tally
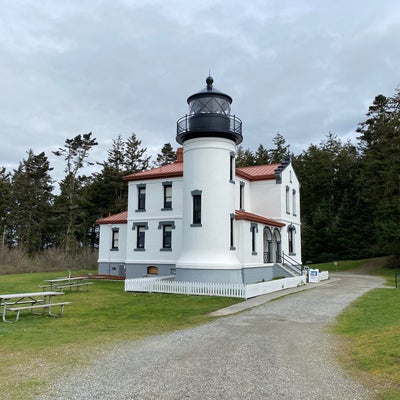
(241, 196)
(196, 220)
(141, 197)
(152, 270)
(167, 195)
(287, 200)
(294, 210)
(114, 239)
(140, 227)
(232, 232)
(291, 234)
(232, 167)
(253, 230)
(166, 227)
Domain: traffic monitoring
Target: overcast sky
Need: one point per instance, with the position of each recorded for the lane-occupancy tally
(302, 68)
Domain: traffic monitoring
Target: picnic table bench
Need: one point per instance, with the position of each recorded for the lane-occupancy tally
(17, 302)
(67, 283)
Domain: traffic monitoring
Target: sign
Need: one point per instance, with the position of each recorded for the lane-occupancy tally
(313, 275)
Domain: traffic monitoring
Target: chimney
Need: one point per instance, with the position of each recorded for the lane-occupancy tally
(179, 154)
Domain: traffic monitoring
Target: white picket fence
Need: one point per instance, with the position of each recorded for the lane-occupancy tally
(210, 288)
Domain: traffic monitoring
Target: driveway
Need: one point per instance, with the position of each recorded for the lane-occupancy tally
(279, 349)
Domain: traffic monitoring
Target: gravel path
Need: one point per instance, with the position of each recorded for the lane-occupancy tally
(277, 350)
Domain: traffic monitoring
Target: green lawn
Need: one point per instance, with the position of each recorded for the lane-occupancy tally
(41, 347)
(370, 327)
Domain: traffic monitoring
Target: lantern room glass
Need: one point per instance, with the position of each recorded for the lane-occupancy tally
(210, 105)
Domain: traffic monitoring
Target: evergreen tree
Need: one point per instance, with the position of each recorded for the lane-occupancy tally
(167, 155)
(380, 172)
(30, 203)
(262, 155)
(328, 175)
(5, 189)
(244, 158)
(135, 157)
(68, 204)
(281, 150)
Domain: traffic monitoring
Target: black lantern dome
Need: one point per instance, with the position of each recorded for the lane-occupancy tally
(209, 115)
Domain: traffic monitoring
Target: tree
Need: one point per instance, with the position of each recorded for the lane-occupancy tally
(281, 150)
(5, 189)
(328, 172)
(380, 172)
(68, 204)
(135, 157)
(167, 155)
(244, 158)
(262, 155)
(30, 203)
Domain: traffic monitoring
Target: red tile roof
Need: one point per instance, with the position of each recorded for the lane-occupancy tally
(243, 215)
(166, 171)
(258, 172)
(120, 218)
(253, 173)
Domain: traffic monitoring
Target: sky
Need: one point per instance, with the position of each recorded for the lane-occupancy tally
(302, 68)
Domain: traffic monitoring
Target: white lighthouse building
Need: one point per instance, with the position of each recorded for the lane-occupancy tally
(200, 218)
(209, 135)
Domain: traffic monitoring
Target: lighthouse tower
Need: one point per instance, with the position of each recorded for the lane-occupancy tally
(209, 135)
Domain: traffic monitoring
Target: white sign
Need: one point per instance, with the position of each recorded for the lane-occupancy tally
(313, 275)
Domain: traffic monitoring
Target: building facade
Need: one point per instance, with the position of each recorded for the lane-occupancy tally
(202, 219)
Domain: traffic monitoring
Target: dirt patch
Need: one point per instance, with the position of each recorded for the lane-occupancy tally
(371, 266)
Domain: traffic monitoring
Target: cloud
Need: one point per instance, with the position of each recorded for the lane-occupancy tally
(299, 68)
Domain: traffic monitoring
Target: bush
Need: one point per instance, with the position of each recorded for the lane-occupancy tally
(16, 261)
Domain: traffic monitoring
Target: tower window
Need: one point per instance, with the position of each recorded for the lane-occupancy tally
(232, 232)
(294, 210)
(232, 167)
(196, 217)
(241, 196)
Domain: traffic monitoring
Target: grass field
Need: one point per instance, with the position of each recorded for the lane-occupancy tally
(39, 348)
(370, 328)
(36, 349)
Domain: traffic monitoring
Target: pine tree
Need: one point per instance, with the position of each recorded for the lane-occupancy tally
(167, 155)
(30, 203)
(68, 204)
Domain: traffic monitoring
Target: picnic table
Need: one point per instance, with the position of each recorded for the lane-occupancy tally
(68, 282)
(41, 301)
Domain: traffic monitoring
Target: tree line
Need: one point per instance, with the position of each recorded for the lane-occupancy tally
(350, 193)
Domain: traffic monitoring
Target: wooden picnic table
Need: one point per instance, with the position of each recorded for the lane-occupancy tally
(68, 282)
(17, 302)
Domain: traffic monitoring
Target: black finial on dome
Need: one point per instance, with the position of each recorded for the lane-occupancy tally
(209, 82)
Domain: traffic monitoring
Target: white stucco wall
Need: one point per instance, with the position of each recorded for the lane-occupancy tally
(153, 215)
(207, 168)
(105, 252)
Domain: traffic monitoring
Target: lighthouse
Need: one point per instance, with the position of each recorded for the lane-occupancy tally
(209, 134)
